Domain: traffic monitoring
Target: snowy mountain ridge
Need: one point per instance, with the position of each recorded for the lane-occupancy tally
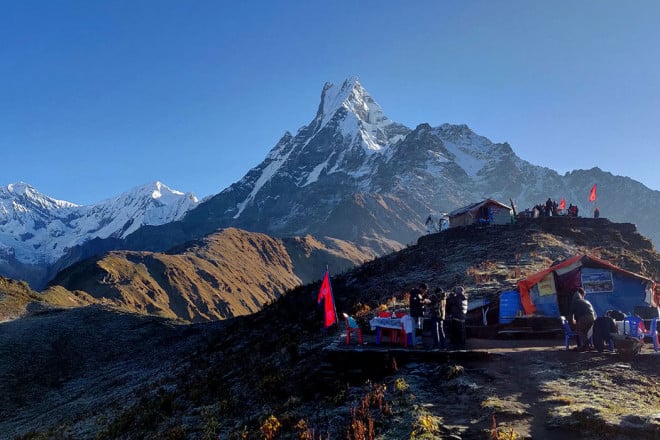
(38, 229)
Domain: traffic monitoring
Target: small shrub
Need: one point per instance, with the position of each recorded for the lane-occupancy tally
(270, 428)
(425, 426)
(498, 433)
(211, 424)
(175, 433)
(400, 385)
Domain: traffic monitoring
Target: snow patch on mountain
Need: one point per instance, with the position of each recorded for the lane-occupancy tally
(266, 174)
(314, 175)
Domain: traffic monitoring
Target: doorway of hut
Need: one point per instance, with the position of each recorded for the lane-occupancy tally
(566, 284)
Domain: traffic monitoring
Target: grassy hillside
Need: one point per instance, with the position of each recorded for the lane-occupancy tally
(229, 273)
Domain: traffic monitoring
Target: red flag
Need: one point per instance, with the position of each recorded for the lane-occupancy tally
(562, 204)
(592, 195)
(325, 293)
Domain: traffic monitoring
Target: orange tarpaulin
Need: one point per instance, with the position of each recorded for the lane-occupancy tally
(529, 282)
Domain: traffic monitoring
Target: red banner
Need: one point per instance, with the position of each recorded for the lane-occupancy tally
(325, 293)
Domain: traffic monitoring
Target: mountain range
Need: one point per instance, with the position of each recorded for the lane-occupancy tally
(351, 174)
(354, 174)
(37, 231)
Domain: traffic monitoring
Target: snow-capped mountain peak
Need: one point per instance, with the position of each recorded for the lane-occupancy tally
(157, 191)
(356, 113)
(35, 228)
(24, 196)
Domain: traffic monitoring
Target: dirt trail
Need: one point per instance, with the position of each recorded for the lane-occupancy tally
(541, 390)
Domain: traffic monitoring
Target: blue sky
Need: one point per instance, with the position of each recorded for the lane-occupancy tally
(98, 97)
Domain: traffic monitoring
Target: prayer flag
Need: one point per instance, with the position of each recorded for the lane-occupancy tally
(592, 195)
(325, 294)
(562, 204)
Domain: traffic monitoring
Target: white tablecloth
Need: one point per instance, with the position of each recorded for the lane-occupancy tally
(394, 323)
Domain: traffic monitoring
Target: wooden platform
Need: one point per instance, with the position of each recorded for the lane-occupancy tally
(356, 362)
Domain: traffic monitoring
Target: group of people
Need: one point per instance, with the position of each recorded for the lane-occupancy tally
(583, 317)
(551, 209)
(446, 313)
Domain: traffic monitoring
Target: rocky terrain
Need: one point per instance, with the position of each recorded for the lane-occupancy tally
(95, 372)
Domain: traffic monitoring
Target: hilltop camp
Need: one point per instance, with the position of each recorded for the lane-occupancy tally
(487, 211)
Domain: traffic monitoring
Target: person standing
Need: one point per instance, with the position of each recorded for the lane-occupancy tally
(459, 306)
(417, 310)
(437, 312)
(596, 212)
(429, 224)
(583, 317)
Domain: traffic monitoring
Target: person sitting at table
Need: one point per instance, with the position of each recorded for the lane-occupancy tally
(604, 326)
(417, 311)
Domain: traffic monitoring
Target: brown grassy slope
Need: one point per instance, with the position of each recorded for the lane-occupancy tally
(310, 256)
(227, 274)
(14, 298)
(17, 299)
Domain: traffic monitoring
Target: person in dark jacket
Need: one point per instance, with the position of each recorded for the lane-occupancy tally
(604, 326)
(417, 310)
(583, 317)
(458, 310)
(437, 312)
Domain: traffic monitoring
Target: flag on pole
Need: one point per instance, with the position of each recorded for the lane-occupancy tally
(562, 204)
(592, 194)
(325, 294)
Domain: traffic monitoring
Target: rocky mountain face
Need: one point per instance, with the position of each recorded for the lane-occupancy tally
(111, 374)
(40, 235)
(354, 174)
(228, 273)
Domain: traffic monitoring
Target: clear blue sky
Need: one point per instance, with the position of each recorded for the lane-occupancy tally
(97, 97)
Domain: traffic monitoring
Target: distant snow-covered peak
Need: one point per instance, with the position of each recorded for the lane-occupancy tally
(23, 194)
(158, 190)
